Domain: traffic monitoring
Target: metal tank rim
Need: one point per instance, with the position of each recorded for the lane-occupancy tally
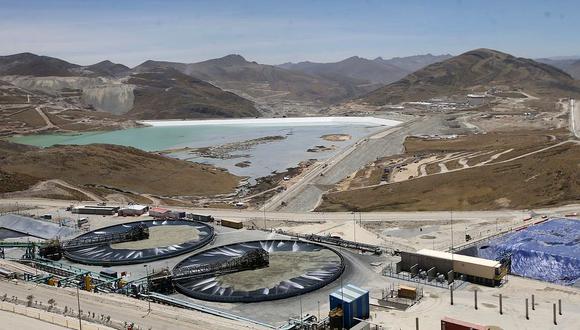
(194, 246)
(249, 299)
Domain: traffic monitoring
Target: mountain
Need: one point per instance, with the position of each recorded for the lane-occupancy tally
(413, 63)
(27, 64)
(259, 80)
(353, 67)
(574, 70)
(165, 93)
(476, 71)
(569, 65)
(154, 90)
(263, 82)
(108, 68)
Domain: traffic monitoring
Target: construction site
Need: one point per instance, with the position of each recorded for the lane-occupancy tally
(222, 271)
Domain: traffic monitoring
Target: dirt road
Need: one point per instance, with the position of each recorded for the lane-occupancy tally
(305, 194)
(575, 118)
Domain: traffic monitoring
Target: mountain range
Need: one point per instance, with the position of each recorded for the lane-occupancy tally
(232, 86)
(377, 71)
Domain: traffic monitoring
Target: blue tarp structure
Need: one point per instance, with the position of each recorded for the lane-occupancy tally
(549, 251)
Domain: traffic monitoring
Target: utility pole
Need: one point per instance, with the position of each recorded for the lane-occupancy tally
(79, 307)
(264, 208)
(301, 319)
(148, 291)
(354, 226)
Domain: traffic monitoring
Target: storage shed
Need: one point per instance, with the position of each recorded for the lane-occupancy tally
(159, 212)
(354, 301)
(133, 210)
(99, 210)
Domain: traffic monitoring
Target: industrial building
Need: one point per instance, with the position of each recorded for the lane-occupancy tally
(159, 212)
(17, 226)
(354, 304)
(133, 210)
(475, 270)
(448, 323)
(96, 210)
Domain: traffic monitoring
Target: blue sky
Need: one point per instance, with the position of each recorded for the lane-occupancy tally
(273, 32)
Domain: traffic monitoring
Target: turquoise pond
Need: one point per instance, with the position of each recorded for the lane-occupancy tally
(265, 158)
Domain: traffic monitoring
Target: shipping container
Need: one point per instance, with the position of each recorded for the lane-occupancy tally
(236, 224)
(407, 292)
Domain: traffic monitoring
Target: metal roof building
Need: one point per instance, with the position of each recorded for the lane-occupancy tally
(15, 226)
(354, 301)
(477, 270)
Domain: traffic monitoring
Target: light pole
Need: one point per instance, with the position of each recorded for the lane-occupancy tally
(148, 298)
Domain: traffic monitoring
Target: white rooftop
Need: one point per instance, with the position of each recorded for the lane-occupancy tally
(459, 257)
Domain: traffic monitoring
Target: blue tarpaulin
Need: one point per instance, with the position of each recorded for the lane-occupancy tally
(549, 251)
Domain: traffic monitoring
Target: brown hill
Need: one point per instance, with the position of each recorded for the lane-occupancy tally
(353, 67)
(166, 93)
(543, 179)
(27, 64)
(569, 65)
(124, 168)
(108, 68)
(413, 63)
(476, 71)
(234, 73)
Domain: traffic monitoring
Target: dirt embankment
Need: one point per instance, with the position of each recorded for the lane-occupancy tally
(228, 150)
(542, 179)
(122, 168)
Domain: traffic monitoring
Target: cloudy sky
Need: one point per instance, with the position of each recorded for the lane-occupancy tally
(273, 32)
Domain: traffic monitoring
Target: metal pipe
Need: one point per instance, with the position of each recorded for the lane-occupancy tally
(560, 306)
(500, 304)
(416, 323)
(475, 297)
(527, 312)
(533, 303)
(451, 291)
(555, 323)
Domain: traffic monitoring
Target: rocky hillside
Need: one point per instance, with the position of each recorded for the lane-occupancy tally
(109, 69)
(27, 64)
(165, 93)
(476, 71)
(235, 73)
(571, 66)
(113, 166)
(377, 71)
(353, 67)
(152, 91)
(413, 63)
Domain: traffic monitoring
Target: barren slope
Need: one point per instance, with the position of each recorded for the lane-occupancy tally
(477, 71)
(165, 93)
(542, 179)
(120, 167)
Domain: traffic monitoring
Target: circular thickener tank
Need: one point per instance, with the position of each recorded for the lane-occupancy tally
(167, 238)
(295, 267)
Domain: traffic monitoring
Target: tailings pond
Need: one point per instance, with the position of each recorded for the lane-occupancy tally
(246, 147)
